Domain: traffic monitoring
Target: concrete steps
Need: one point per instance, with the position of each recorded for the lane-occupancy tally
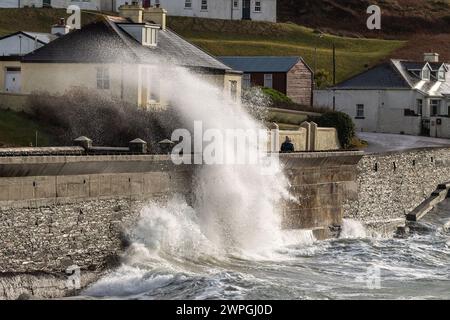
(426, 206)
(412, 218)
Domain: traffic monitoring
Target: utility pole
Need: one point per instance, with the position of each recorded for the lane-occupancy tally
(334, 64)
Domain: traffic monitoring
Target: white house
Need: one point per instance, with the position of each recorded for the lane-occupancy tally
(104, 5)
(399, 96)
(259, 10)
(22, 42)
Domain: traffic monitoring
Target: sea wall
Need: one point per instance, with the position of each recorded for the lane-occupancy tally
(59, 211)
(392, 184)
(62, 210)
(320, 184)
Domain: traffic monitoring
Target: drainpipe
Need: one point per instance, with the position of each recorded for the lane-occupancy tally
(231, 5)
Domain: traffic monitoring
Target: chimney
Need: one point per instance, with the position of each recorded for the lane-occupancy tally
(60, 28)
(431, 57)
(156, 15)
(131, 11)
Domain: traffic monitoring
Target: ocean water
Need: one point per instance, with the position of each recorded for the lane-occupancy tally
(354, 266)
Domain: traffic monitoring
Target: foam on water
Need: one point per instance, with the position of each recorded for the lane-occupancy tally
(352, 229)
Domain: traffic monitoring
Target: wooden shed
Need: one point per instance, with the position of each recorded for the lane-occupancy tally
(289, 75)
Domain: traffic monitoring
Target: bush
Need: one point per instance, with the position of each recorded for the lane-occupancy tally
(343, 124)
(276, 97)
(107, 121)
(322, 78)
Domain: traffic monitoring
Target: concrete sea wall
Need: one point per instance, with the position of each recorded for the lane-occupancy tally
(62, 210)
(57, 211)
(320, 184)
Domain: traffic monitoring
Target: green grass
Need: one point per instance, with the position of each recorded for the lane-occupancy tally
(17, 129)
(35, 19)
(286, 118)
(222, 37)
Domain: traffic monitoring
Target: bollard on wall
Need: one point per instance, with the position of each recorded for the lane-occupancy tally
(138, 146)
(166, 145)
(84, 142)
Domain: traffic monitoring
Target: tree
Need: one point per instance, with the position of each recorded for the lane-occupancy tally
(322, 78)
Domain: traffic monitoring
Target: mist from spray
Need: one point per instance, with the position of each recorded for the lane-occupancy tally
(235, 211)
(236, 206)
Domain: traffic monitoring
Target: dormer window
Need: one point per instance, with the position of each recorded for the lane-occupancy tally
(441, 74)
(147, 35)
(425, 73)
(150, 36)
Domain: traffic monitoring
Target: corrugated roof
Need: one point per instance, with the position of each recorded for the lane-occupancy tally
(104, 41)
(260, 63)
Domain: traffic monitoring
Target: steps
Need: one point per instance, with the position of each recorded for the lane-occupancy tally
(426, 206)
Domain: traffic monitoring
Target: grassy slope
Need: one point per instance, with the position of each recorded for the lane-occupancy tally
(34, 19)
(16, 129)
(260, 38)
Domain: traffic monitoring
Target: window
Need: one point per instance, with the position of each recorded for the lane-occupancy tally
(258, 6)
(233, 90)
(188, 4)
(235, 4)
(204, 6)
(103, 78)
(441, 75)
(246, 80)
(359, 111)
(268, 80)
(435, 106)
(426, 74)
(150, 36)
(157, 2)
(419, 106)
(155, 88)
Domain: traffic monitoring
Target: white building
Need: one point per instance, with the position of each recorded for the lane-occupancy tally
(399, 96)
(259, 10)
(23, 42)
(104, 5)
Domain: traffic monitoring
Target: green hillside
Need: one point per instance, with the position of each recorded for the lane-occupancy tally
(17, 129)
(223, 37)
(35, 19)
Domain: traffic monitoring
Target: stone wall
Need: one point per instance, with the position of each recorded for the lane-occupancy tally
(13, 101)
(58, 211)
(392, 184)
(309, 137)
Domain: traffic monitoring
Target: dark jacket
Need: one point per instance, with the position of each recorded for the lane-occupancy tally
(287, 147)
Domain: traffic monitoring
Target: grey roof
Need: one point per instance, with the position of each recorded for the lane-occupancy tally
(43, 38)
(260, 63)
(383, 76)
(104, 41)
(398, 74)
